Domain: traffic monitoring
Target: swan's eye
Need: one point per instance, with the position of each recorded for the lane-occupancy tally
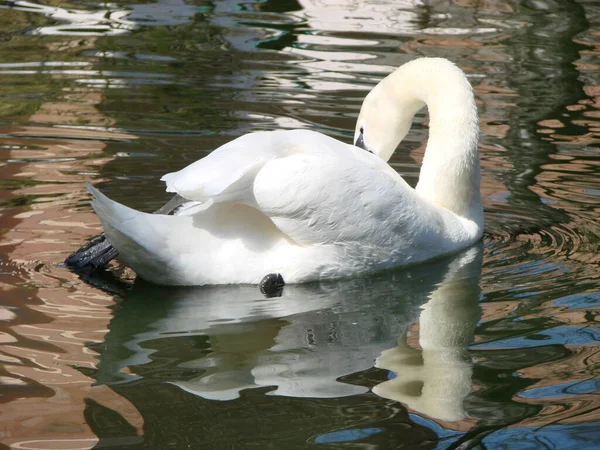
(362, 130)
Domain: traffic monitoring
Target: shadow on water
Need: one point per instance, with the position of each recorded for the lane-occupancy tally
(212, 353)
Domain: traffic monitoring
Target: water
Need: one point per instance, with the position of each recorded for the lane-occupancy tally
(496, 347)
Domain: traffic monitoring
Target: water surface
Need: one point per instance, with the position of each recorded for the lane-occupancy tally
(496, 347)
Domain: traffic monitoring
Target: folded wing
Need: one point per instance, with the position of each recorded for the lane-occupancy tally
(315, 189)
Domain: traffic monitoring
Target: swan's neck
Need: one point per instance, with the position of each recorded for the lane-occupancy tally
(450, 174)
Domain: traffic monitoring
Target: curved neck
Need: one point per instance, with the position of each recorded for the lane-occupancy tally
(450, 174)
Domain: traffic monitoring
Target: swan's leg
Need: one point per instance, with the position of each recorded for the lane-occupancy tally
(98, 252)
(272, 285)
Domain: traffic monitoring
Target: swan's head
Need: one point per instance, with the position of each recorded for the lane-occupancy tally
(386, 115)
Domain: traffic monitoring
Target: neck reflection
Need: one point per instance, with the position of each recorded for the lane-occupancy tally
(436, 379)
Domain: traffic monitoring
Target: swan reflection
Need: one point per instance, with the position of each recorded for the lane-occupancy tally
(436, 379)
(214, 342)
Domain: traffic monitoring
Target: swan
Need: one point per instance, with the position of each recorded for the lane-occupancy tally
(297, 206)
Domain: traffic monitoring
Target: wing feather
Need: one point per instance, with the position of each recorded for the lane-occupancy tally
(315, 189)
(228, 170)
(321, 199)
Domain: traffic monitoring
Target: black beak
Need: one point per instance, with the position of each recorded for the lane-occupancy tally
(360, 143)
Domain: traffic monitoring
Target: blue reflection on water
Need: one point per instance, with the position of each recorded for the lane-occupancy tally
(564, 389)
(589, 300)
(442, 432)
(347, 435)
(561, 335)
(582, 436)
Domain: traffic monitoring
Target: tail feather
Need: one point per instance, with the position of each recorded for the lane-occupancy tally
(108, 210)
(138, 237)
(203, 243)
(99, 251)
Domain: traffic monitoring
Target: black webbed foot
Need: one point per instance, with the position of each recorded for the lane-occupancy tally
(272, 285)
(93, 256)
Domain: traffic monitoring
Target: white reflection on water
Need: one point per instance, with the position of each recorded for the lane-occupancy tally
(371, 16)
(402, 17)
(112, 21)
(436, 379)
(303, 342)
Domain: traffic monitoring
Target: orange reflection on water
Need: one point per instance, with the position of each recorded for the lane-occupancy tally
(46, 351)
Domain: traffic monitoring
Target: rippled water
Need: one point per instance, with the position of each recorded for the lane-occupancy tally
(496, 347)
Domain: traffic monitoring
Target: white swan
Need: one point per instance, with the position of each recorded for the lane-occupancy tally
(310, 207)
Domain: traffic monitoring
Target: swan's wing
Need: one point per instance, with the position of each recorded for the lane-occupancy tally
(314, 188)
(227, 173)
(318, 199)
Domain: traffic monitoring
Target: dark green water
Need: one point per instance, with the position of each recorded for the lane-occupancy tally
(495, 348)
